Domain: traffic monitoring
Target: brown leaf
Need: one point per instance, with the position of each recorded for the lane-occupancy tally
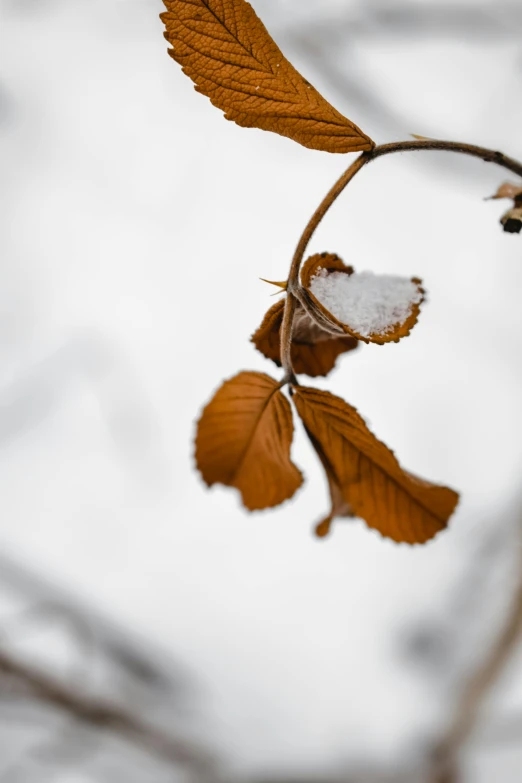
(314, 351)
(399, 505)
(512, 219)
(227, 52)
(243, 440)
(330, 262)
(387, 326)
(509, 190)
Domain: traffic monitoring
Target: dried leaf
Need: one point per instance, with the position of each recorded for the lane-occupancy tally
(314, 351)
(509, 190)
(243, 440)
(376, 298)
(227, 52)
(512, 219)
(330, 262)
(372, 483)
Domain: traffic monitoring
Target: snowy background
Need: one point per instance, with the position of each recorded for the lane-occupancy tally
(135, 223)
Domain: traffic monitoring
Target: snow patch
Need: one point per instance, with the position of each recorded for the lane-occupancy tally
(368, 304)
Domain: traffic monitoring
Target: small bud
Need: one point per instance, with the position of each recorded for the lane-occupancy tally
(280, 284)
(512, 221)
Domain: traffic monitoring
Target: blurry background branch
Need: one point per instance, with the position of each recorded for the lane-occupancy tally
(381, 20)
(21, 681)
(148, 699)
(103, 716)
(155, 670)
(333, 42)
(476, 688)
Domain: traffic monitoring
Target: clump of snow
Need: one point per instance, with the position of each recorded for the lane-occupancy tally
(368, 304)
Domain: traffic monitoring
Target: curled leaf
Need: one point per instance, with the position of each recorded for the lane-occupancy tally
(338, 505)
(229, 55)
(370, 480)
(322, 262)
(512, 219)
(373, 308)
(243, 440)
(314, 351)
(338, 508)
(509, 190)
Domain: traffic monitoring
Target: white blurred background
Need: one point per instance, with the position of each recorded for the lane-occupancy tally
(135, 223)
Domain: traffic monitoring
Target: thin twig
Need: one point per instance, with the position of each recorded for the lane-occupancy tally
(425, 145)
(286, 338)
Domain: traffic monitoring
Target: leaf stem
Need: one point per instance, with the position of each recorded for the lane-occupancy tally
(286, 338)
(487, 155)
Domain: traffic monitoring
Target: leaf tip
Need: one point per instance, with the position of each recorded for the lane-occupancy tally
(322, 529)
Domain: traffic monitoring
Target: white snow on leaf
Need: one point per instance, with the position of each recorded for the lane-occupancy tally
(368, 304)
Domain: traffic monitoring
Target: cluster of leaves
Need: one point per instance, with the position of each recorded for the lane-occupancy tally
(244, 438)
(314, 349)
(245, 433)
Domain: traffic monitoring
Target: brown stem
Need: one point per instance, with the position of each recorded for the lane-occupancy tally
(487, 155)
(286, 338)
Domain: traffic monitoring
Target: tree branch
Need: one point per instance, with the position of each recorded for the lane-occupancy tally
(422, 145)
